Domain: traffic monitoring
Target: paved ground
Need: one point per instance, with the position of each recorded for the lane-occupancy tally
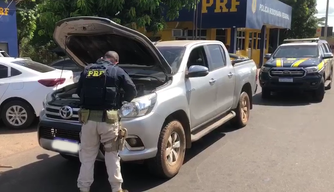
(17, 140)
(287, 147)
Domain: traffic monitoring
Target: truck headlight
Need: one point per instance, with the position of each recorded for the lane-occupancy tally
(139, 106)
(265, 69)
(312, 69)
(47, 99)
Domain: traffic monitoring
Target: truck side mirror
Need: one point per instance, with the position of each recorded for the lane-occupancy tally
(267, 56)
(327, 56)
(197, 71)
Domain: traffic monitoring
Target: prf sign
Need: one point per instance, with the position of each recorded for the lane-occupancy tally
(4, 11)
(220, 6)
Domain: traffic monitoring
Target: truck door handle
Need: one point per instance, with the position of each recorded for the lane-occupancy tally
(212, 81)
(230, 75)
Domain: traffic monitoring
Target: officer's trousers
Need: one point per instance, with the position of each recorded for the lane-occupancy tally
(92, 134)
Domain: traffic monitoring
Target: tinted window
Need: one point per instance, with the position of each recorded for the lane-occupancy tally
(329, 48)
(67, 65)
(14, 72)
(296, 51)
(216, 56)
(326, 47)
(323, 49)
(173, 56)
(34, 65)
(3, 71)
(197, 57)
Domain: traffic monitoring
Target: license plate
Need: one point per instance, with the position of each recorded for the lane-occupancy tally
(65, 145)
(285, 80)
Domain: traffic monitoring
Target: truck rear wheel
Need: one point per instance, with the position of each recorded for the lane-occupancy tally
(319, 94)
(171, 151)
(242, 111)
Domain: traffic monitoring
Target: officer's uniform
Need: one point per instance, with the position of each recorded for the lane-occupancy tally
(99, 90)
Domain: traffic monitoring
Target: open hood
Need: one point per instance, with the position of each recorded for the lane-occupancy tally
(86, 39)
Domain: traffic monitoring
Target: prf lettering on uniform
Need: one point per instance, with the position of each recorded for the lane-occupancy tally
(4, 11)
(95, 73)
(220, 6)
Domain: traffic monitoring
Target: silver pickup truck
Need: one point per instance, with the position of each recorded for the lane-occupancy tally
(186, 89)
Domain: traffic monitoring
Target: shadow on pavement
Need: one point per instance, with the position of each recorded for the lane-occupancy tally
(283, 99)
(31, 128)
(54, 174)
(208, 140)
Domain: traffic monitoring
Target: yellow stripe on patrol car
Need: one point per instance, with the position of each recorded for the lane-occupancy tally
(279, 63)
(297, 63)
(321, 65)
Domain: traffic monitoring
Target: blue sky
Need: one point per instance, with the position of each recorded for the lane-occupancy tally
(321, 6)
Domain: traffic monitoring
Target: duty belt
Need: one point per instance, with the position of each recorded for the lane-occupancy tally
(98, 115)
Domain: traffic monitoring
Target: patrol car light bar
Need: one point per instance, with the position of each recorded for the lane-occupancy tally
(302, 40)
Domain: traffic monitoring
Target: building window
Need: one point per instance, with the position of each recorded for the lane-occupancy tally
(217, 57)
(201, 34)
(180, 38)
(258, 40)
(241, 40)
(254, 40)
(4, 47)
(250, 40)
(221, 35)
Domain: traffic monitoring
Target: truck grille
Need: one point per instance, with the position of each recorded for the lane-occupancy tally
(287, 72)
(51, 133)
(65, 113)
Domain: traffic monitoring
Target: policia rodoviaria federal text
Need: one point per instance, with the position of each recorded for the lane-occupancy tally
(99, 90)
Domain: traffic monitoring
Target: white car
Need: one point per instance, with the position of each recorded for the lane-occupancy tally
(23, 86)
(68, 64)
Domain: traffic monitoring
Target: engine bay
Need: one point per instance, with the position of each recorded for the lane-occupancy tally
(68, 96)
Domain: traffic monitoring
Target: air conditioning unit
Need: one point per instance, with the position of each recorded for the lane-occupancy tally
(177, 32)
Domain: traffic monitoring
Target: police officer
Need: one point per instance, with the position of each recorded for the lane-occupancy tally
(99, 90)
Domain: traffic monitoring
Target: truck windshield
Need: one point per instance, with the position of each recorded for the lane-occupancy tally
(297, 51)
(173, 55)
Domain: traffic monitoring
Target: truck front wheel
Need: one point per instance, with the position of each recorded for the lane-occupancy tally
(266, 93)
(171, 151)
(330, 78)
(70, 158)
(319, 94)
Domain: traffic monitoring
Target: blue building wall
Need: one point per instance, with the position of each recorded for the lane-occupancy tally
(8, 27)
(217, 14)
(240, 14)
(270, 12)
